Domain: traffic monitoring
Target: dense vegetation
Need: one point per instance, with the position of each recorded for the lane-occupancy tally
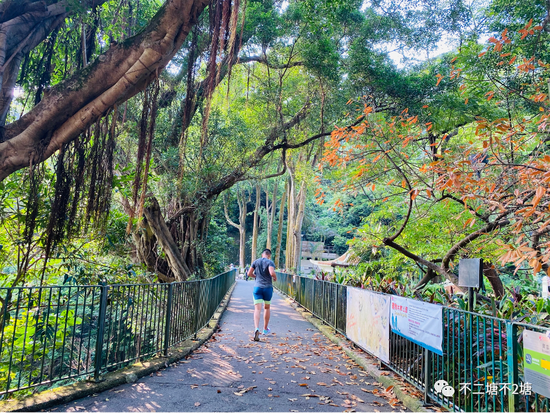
(145, 142)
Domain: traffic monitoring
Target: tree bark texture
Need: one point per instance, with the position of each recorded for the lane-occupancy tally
(255, 227)
(270, 214)
(280, 227)
(118, 74)
(24, 24)
(289, 253)
(241, 226)
(298, 221)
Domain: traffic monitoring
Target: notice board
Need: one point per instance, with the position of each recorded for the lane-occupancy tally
(419, 322)
(536, 364)
(367, 322)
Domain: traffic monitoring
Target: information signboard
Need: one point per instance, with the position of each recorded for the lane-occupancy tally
(367, 322)
(420, 322)
(536, 356)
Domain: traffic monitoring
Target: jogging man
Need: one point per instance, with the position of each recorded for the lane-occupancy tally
(263, 269)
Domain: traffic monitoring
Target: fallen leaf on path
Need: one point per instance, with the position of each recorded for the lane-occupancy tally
(292, 400)
(219, 391)
(197, 404)
(194, 386)
(322, 384)
(243, 391)
(303, 385)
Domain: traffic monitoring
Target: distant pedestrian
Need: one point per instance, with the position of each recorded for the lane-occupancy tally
(263, 269)
(246, 272)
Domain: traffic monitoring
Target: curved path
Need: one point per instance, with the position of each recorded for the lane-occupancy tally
(295, 368)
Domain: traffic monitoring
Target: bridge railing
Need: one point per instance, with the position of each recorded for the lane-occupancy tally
(479, 352)
(56, 334)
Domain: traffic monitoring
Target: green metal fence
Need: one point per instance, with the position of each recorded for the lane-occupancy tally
(482, 355)
(59, 333)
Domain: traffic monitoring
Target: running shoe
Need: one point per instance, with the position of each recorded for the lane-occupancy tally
(257, 335)
(267, 331)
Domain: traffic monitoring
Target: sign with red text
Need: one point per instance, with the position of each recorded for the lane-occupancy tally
(419, 322)
(367, 323)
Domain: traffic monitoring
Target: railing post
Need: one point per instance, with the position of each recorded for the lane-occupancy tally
(336, 309)
(427, 378)
(313, 309)
(197, 303)
(168, 320)
(323, 312)
(512, 355)
(100, 330)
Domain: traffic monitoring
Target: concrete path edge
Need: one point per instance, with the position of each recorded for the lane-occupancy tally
(410, 402)
(64, 394)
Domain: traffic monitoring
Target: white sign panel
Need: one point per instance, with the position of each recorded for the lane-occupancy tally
(367, 321)
(418, 321)
(536, 356)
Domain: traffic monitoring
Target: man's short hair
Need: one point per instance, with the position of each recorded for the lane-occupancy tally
(267, 251)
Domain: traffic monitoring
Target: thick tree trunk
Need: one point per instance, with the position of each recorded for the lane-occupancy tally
(298, 221)
(159, 228)
(289, 255)
(280, 228)
(241, 226)
(256, 225)
(180, 240)
(270, 214)
(493, 277)
(118, 74)
(23, 25)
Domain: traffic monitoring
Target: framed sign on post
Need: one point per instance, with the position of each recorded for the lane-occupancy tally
(470, 273)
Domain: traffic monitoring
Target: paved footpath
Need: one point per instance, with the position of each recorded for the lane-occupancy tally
(295, 368)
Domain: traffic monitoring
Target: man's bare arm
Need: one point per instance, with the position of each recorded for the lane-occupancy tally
(251, 272)
(273, 273)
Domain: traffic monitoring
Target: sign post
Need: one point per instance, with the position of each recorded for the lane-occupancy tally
(470, 272)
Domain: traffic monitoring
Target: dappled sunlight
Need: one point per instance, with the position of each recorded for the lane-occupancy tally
(293, 368)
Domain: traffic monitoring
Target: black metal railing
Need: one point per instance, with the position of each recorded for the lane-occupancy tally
(326, 300)
(56, 334)
(479, 352)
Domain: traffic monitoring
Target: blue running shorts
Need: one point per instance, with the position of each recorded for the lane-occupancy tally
(262, 295)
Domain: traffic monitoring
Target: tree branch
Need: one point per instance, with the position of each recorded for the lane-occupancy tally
(263, 60)
(473, 236)
(430, 265)
(118, 74)
(227, 216)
